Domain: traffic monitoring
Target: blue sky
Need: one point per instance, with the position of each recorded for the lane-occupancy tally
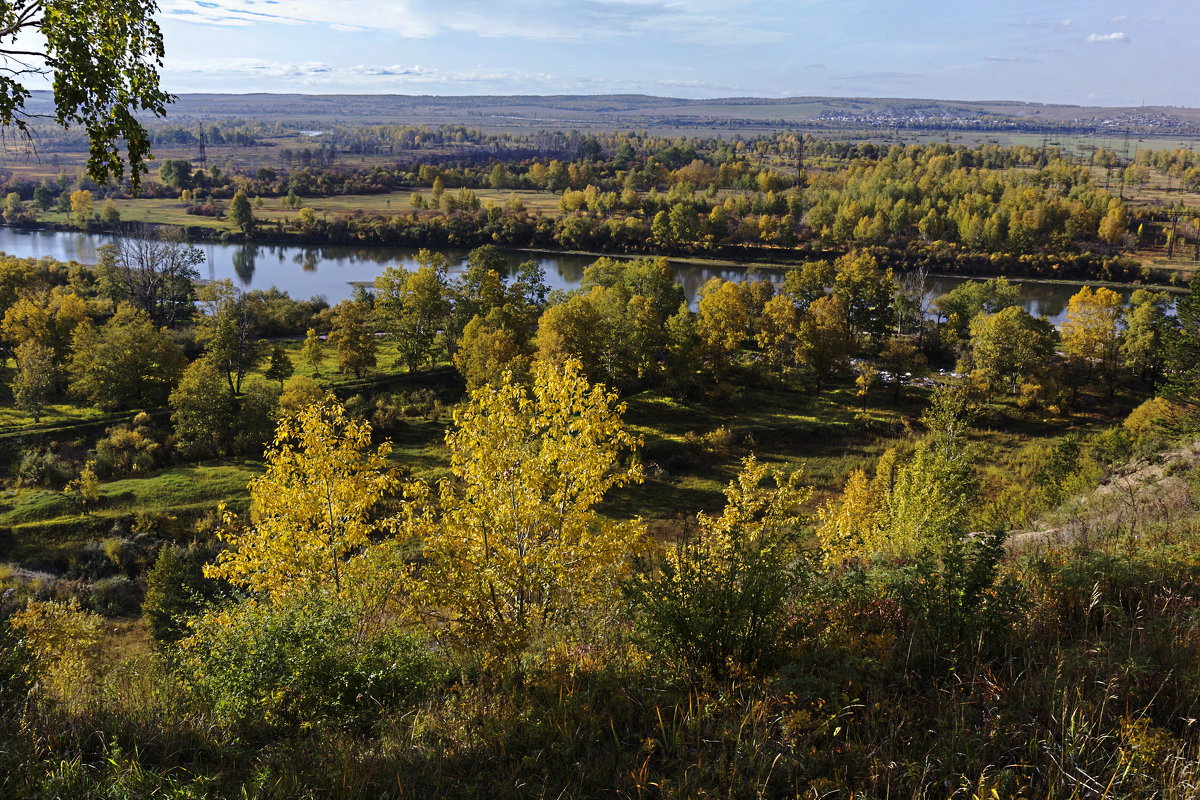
(1101, 52)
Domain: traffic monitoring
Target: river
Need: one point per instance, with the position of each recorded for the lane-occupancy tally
(332, 270)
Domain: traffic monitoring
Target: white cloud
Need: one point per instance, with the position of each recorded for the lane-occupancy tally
(1043, 23)
(557, 20)
(255, 74)
(1109, 37)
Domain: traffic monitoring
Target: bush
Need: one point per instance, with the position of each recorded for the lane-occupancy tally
(718, 602)
(957, 598)
(127, 451)
(715, 444)
(64, 643)
(176, 590)
(115, 597)
(41, 466)
(1112, 445)
(422, 403)
(300, 662)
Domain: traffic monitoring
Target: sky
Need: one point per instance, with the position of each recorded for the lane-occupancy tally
(1085, 52)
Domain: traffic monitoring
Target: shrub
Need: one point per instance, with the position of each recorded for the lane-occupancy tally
(176, 590)
(715, 444)
(957, 598)
(422, 403)
(299, 662)
(718, 602)
(300, 393)
(64, 642)
(126, 451)
(115, 597)
(1112, 445)
(41, 466)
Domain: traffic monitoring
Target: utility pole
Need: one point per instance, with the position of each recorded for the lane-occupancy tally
(800, 160)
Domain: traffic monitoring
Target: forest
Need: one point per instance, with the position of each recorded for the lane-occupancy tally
(850, 532)
(460, 535)
(1019, 210)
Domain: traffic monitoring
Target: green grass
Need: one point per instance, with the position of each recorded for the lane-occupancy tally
(170, 489)
(172, 211)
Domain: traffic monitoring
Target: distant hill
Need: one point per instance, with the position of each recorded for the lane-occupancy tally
(633, 111)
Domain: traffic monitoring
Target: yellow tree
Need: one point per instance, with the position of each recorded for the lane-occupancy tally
(49, 319)
(849, 525)
(1112, 227)
(779, 333)
(1091, 334)
(722, 323)
(826, 337)
(312, 513)
(83, 207)
(513, 546)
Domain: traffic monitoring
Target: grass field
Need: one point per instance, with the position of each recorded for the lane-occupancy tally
(171, 211)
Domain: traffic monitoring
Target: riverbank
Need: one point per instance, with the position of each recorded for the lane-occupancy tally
(947, 261)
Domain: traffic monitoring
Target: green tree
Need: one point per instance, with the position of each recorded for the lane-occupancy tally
(176, 172)
(127, 363)
(413, 306)
(901, 359)
(1183, 353)
(1147, 329)
(279, 367)
(14, 210)
(110, 215)
(488, 350)
(229, 331)
(313, 351)
(971, 298)
(204, 410)
(43, 197)
(867, 292)
(101, 58)
(35, 378)
(1011, 344)
(718, 599)
(240, 212)
(354, 337)
(809, 283)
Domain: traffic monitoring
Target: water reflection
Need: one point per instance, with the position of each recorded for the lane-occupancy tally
(333, 270)
(244, 261)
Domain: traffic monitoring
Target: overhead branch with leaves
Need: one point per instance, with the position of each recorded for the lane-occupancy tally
(102, 59)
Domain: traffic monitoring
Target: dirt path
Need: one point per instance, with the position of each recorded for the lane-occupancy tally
(1144, 491)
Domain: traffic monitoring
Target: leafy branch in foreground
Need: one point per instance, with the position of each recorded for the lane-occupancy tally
(102, 58)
